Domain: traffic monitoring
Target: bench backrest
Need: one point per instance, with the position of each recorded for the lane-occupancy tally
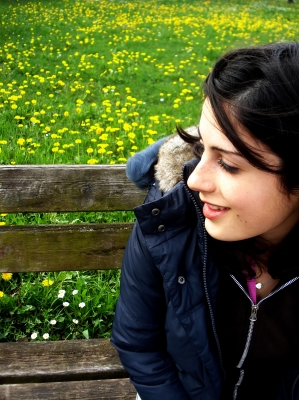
(64, 188)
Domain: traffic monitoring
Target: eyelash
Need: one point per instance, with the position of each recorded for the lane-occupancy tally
(198, 151)
(227, 168)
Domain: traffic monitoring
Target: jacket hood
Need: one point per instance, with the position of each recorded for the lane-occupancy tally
(173, 153)
(161, 161)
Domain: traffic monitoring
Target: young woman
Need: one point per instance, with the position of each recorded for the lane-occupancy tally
(209, 304)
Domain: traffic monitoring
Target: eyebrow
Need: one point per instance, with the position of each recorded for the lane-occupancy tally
(226, 151)
(219, 148)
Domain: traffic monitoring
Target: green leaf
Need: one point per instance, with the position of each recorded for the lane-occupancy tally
(86, 334)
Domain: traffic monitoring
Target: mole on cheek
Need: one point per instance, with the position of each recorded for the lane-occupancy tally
(241, 219)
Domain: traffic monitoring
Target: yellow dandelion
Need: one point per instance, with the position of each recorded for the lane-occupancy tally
(21, 141)
(66, 113)
(2, 223)
(92, 161)
(127, 127)
(78, 141)
(89, 150)
(47, 282)
(1, 294)
(6, 276)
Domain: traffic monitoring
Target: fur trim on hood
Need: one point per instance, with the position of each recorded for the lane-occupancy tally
(163, 160)
(173, 153)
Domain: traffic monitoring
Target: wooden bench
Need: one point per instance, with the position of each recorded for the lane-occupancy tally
(70, 369)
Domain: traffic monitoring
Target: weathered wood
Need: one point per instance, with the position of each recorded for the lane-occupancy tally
(62, 247)
(79, 369)
(69, 360)
(47, 188)
(84, 390)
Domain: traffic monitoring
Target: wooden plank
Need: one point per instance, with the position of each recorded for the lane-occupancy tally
(84, 390)
(69, 360)
(49, 188)
(62, 247)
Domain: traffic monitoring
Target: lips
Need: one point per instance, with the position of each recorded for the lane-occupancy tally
(212, 211)
(213, 207)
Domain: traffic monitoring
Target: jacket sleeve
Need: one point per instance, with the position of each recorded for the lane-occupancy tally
(138, 328)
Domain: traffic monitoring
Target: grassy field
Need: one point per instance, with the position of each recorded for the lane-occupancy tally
(94, 82)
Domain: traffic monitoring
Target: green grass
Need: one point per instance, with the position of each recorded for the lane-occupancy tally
(94, 82)
(73, 305)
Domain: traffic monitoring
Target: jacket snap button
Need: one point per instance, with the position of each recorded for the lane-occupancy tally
(161, 228)
(155, 212)
(181, 280)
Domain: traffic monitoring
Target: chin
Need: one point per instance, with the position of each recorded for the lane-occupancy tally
(225, 235)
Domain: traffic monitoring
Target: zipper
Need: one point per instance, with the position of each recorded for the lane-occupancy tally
(205, 268)
(253, 318)
(293, 388)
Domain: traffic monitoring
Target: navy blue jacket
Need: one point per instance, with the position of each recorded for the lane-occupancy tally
(164, 313)
(164, 327)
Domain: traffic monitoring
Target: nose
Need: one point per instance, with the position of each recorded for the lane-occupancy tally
(202, 178)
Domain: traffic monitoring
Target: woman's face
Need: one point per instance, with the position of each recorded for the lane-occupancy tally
(240, 201)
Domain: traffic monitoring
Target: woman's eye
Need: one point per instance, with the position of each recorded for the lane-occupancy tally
(227, 168)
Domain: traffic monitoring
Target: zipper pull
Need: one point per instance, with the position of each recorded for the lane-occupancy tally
(253, 315)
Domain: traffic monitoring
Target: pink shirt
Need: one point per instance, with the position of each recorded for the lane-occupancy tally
(252, 288)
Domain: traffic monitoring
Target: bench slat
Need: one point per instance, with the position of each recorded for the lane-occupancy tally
(84, 390)
(49, 188)
(69, 360)
(62, 247)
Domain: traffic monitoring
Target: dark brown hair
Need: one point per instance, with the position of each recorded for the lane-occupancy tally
(260, 88)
